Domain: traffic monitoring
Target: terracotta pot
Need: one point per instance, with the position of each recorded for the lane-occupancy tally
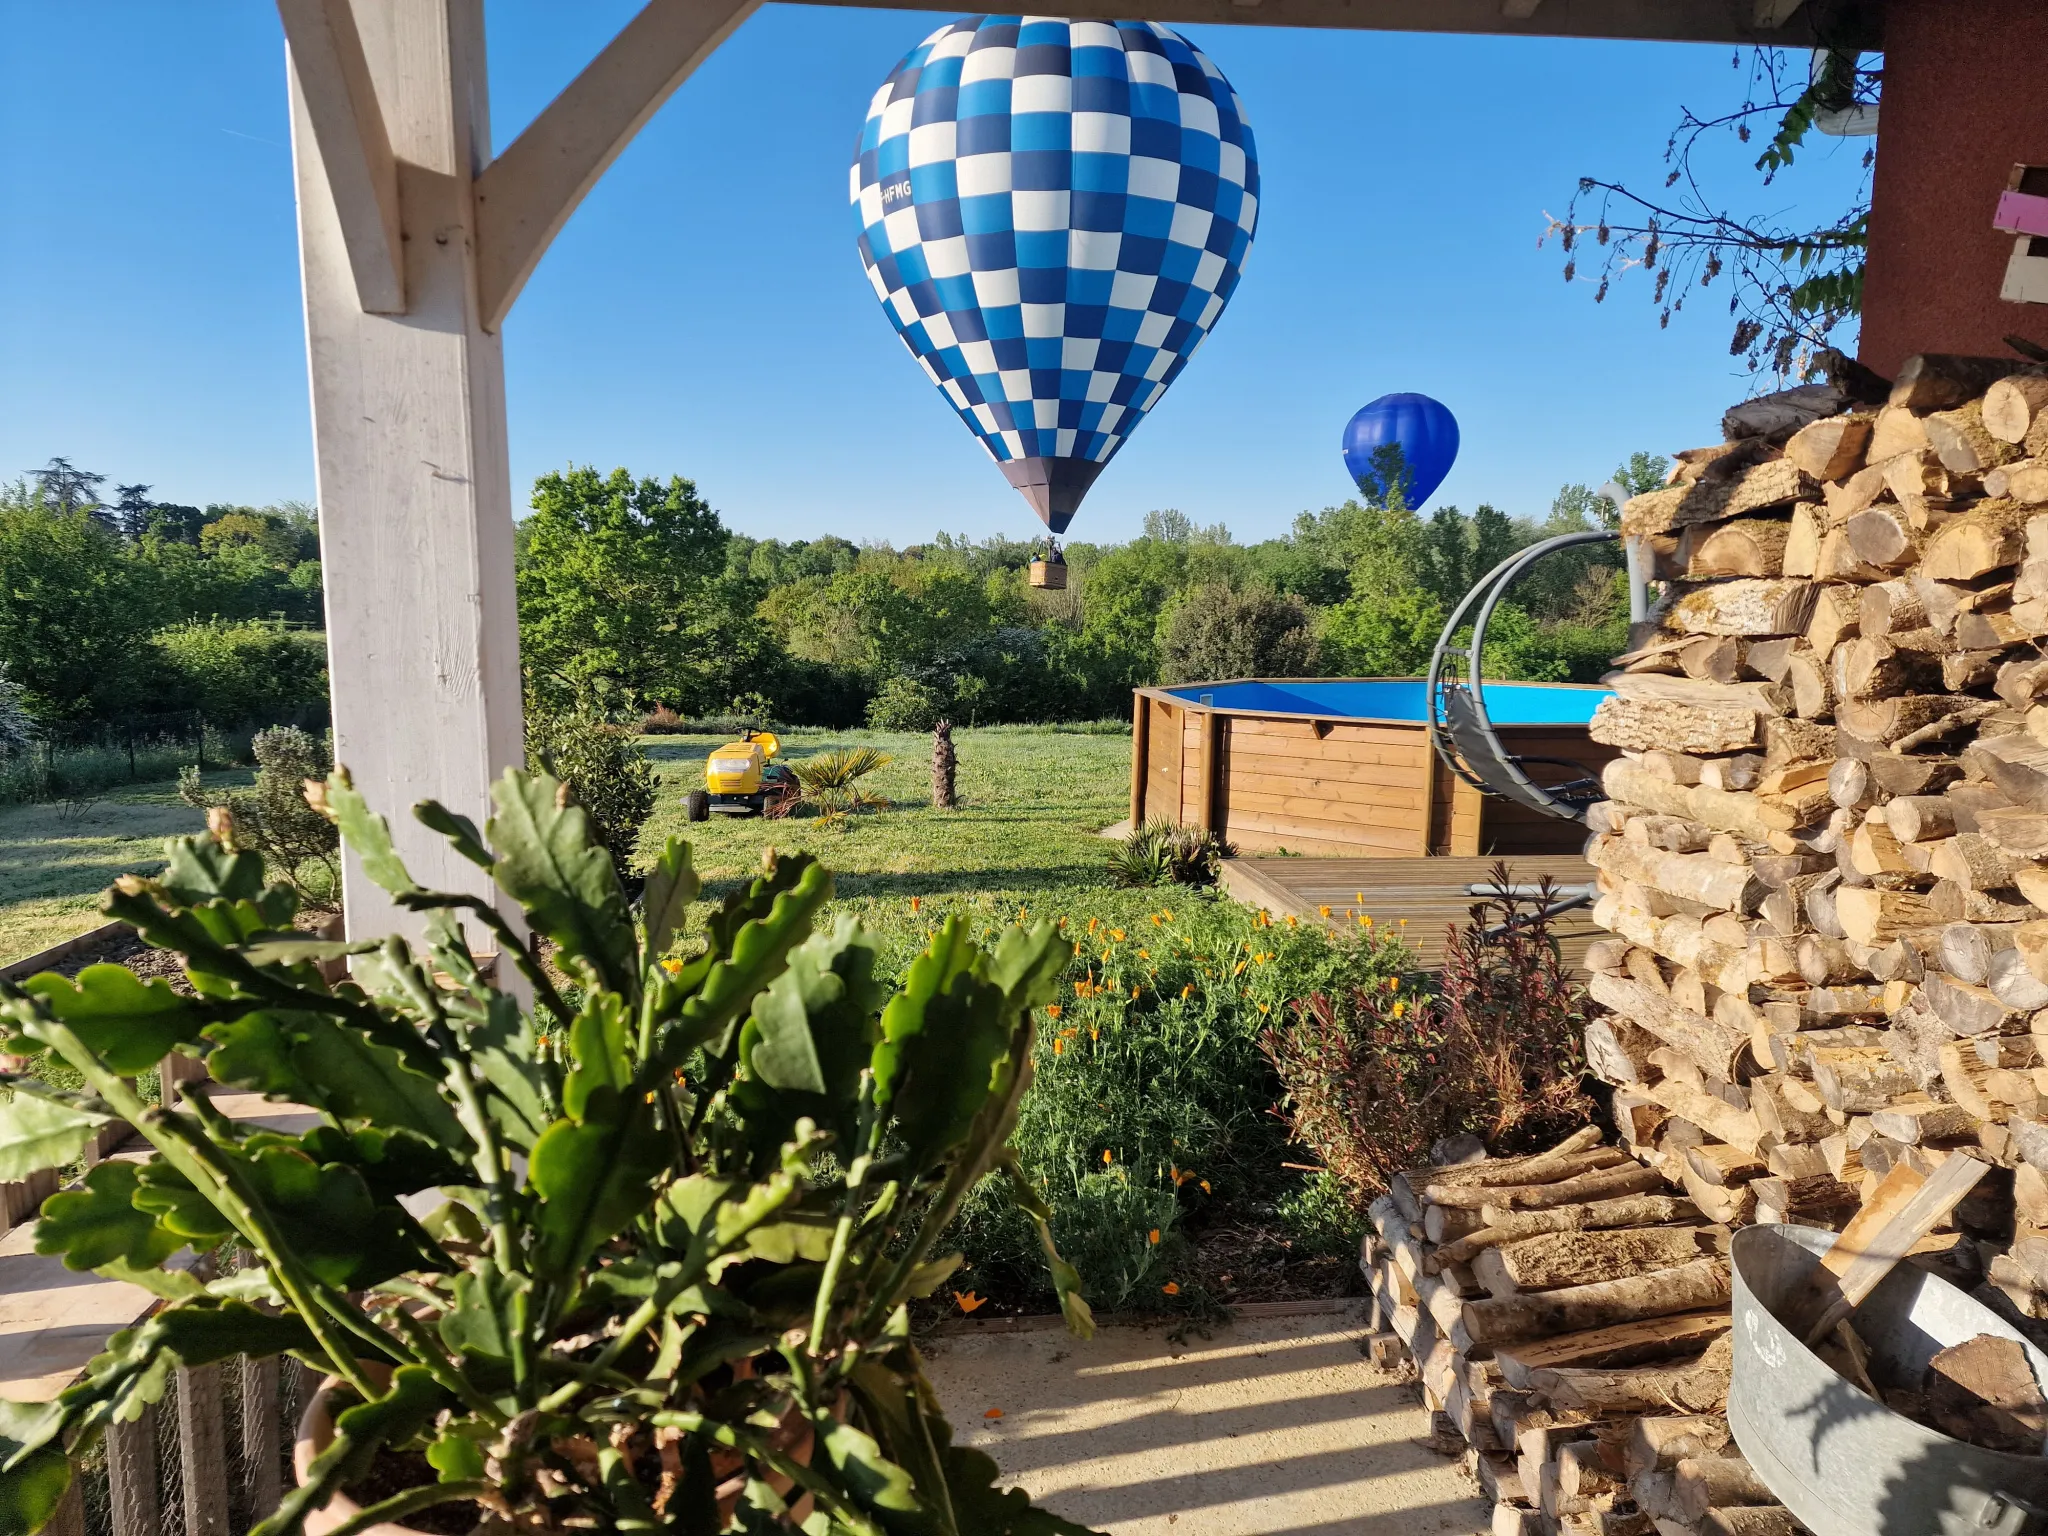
(794, 1437)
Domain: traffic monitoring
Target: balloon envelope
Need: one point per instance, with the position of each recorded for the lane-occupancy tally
(1425, 430)
(1054, 213)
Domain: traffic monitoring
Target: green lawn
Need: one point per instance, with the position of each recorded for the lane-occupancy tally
(56, 859)
(1032, 800)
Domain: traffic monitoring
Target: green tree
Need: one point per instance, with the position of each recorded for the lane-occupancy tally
(73, 615)
(618, 588)
(1217, 633)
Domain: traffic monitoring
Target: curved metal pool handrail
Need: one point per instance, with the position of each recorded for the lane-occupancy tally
(1440, 706)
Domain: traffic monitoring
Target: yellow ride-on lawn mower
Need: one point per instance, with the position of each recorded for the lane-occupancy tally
(742, 779)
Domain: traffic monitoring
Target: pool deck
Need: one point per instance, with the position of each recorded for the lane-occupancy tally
(1420, 898)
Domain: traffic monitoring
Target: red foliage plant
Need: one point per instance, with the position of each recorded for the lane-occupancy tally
(1373, 1076)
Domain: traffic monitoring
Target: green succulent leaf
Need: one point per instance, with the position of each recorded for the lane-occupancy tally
(359, 1433)
(458, 1458)
(199, 870)
(593, 1178)
(98, 1223)
(490, 1305)
(549, 863)
(597, 1045)
(308, 1058)
(671, 886)
(506, 1051)
(751, 952)
(130, 1024)
(812, 1030)
(367, 834)
(1028, 963)
(38, 1133)
(458, 829)
(32, 1485)
(871, 1477)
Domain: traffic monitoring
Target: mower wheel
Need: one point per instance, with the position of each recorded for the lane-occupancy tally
(697, 805)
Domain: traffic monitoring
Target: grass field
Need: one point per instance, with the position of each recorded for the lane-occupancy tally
(55, 859)
(1150, 1126)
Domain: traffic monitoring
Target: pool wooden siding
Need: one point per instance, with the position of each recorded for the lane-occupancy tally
(1332, 786)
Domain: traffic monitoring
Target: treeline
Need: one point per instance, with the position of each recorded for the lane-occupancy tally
(634, 596)
(135, 608)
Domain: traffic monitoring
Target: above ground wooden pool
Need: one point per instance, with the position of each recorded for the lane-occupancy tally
(1343, 765)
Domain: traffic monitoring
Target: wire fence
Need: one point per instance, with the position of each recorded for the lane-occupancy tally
(67, 762)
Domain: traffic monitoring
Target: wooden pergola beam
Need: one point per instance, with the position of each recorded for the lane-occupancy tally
(340, 99)
(1773, 23)
(526, 195)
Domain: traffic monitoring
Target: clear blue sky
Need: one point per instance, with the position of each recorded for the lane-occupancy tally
(704, 313)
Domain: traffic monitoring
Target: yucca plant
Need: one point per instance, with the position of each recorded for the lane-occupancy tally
(684, 1210)
(831, 780)
(1162, 853)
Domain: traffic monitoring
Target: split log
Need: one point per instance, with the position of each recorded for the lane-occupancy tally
(1972, 861)
(1874, 664)
(1832, 448)
(1472, 1193)
(1919, 818)
(2012, 406)
(1935, 381)
(1872, 916)
(1751, 1520)
(1691, 877)
(1717, 1482)
(1967, 1009)
(1709, 500)
(1963, 442)
(1967, 949)
(1823, 961)
(1750, 606)
(1888, 721)
(1723, 1164)
(1634, 1343)
(1503, 1319)
(1717, 1048)
(1889, 607)
(1604, 1184)
(1665, 1440)
(1880, 537)
(1504, 1225)
(1750, 546)
(1808, 526)
(1552, 1260)
(2014, 985)
(1617, 1051)
(1896, 431)
(2025, 481)
(1903, 1209)
(1854, 1082)
(1697, 1386)
(1989, 537)
(1916, 1125)
(1641, 724)
(1813, 693)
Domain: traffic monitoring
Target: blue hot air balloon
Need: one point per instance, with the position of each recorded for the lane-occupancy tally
(1425, 430)
(1053, 214)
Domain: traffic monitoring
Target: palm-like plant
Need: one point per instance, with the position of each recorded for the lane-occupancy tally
(831, 780)
(1161, 853)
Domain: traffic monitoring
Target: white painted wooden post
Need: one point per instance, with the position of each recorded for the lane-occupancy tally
(414, 244)
(409, 427)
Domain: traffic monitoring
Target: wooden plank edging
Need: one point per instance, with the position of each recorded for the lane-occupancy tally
(58, 953)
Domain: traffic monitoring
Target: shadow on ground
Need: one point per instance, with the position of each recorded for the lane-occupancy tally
(1271, 1427)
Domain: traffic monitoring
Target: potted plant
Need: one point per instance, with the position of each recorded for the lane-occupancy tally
(635, 1257)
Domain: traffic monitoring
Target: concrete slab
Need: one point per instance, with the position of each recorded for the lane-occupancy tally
(1274, 1426)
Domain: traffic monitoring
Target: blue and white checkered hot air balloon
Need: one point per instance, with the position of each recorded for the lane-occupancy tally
(1054, 213)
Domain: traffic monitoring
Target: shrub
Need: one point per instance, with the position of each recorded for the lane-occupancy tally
(298, 844)
(604, 768)
(238, 674)
(1161, 853)
(905, 704)
(1153, 1102)
(17, 731)
(1218, 632)
(1514, 1022)
(1376, 1073)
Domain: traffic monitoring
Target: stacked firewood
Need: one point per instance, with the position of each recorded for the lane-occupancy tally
(1569, 1319)
(1824, 859)
(1824, 866)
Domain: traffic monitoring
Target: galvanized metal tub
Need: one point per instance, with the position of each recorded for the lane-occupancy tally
(1843, 1463)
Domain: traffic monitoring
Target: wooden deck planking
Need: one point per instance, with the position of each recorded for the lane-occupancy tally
(1417, 898)
(53, 1320)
